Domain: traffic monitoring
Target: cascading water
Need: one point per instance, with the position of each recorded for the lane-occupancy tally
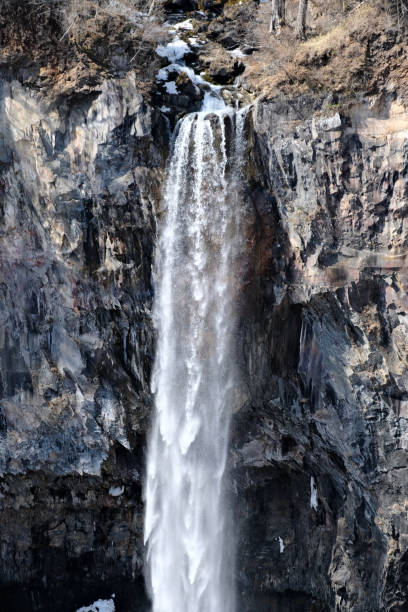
(187, 525)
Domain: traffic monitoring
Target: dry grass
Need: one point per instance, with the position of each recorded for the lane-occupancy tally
(144, 17)
(338, 56)
(120, 32)
(328, 41)
(85, 39)
(363, 18)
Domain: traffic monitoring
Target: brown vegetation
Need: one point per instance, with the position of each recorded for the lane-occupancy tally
(79, 41)
(360, 49)
(143, 18)
(350, 46)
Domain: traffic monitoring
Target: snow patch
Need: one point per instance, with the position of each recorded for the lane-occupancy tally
(116, 491)
(313, 493)
(237, 53)
(101, 605)
(165, 109)
(171, 87)
(197, 79)
(174, 50)
(281, 545)
(164, 73)
(184, 25)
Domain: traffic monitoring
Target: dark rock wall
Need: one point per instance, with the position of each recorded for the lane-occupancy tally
(79, 187)
(325, 358)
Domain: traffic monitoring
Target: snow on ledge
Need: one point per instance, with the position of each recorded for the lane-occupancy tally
(171, 87)
(116, 491)
(101, 605)
(237, 53)
(184, 25)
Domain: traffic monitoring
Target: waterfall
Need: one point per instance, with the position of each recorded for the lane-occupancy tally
(190, 552)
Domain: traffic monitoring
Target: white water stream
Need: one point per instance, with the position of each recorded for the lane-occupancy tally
(190, 552)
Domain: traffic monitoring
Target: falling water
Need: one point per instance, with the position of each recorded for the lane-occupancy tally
(187, 524)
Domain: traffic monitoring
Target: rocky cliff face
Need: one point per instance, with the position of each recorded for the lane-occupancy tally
(80, 176)
(319, 448)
